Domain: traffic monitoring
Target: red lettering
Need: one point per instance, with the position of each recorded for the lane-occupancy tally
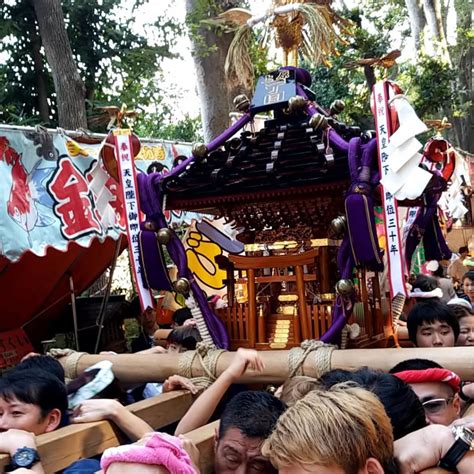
(73, 201)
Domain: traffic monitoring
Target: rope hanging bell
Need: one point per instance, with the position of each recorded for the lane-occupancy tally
(241, 103)
(345, 287)
(296, 104)
(338, 227)
(318, 121)
(337, 107)
(182, 286)
(199, 150)
(163, 236)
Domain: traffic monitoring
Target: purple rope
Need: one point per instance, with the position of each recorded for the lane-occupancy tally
(337, 141)
(216, 143)
(151, 195)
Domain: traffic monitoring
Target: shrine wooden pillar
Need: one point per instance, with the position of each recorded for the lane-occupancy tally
(256, 327)
(303, 319)
(325, 283)
(252, 322)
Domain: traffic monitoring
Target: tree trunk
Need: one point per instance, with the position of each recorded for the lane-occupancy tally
(370, 77)
(209, 53)
(434, 19)
(70, 91)
(464, 125)
(41, 79)
(417, 21)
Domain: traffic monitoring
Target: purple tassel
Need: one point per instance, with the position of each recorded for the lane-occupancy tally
(150, 200)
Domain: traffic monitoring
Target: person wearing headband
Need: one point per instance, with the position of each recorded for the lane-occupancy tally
(432, 324)
(437, 388)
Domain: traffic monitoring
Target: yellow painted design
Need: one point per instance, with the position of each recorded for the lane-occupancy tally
(201, 256)
(152, 153)
(74, 149)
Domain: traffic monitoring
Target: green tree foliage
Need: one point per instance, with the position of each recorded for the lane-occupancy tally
(117, 64)
(434, 87)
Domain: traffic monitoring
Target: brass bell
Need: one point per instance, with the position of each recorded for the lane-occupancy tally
(182, 286)
(163, 236)
(296, 104)
(199, 150)
(345, 288)
(241, 103)
(318, 121)
(337, 228)
(337, 107)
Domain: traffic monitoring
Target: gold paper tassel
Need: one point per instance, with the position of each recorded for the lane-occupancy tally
(320, 36)
(238, 65)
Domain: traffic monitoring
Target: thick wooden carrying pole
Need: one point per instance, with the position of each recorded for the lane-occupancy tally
(62, 447)
(135, 368)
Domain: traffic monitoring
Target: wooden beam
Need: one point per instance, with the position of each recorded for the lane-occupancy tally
(204, 439)
(274, 261)
(136, 368)
(62, 447)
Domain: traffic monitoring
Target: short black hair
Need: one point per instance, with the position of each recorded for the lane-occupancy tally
(43, 362)
(181, 315)
(425, 283)
(253, 413)
(186, 336)
(37, 387)
(400, 402)
(463, 249)
(469, 274)
(429, 312)
(415, 364)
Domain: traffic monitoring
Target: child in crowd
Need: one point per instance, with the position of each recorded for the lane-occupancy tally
(432, 324)
(183, 339)
(180, 339)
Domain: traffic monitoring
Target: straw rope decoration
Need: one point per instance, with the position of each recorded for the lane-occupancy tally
(306, 28)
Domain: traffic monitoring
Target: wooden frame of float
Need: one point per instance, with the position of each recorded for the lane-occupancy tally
(62, 447)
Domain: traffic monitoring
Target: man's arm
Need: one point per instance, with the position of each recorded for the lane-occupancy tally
(105, 409)
(203, 408)
(424, 448)
(12, 440)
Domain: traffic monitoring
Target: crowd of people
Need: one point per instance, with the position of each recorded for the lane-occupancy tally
(345, 422)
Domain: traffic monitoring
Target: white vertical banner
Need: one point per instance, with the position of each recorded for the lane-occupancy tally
(394, 249)
(128, 181)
